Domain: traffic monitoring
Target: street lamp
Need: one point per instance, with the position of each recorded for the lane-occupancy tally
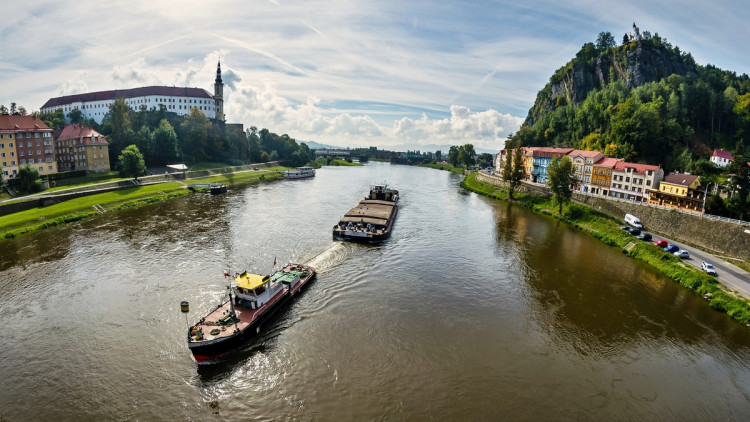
(705, 195)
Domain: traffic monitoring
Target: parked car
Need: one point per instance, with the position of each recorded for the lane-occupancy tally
(634, 231)
(626, 228)
(682, 253)
(708, 268)
(644, 236)
(672, 248)
(661, 243)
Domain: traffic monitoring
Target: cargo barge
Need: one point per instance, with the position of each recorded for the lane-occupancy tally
(372, 219)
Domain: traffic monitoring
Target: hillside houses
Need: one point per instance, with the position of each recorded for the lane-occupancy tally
(613, 177)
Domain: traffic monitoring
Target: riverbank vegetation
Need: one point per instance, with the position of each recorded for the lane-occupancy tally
(606, 229)
(444, 166)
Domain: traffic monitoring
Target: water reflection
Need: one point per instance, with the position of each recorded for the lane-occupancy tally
(471, 310)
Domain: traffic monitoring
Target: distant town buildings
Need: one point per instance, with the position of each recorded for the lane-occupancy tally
(634, 181)
(679, 190)
(583, 162)
(721, 158)
(26, 140)
(81, 148)
(595, 173)
(180, 100)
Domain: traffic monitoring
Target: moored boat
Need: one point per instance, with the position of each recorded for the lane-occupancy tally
(372, 219)
(300, 173)
(252, 300)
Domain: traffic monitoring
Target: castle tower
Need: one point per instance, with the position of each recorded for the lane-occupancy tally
(219, 94)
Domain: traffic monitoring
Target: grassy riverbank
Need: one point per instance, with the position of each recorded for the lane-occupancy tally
(607, 229)
(88, 206)
(441, 166)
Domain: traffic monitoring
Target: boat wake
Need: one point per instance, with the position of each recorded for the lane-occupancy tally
(333, 255)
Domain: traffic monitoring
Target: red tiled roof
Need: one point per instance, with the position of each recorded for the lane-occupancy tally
(722, 154)
(680, 179)
(14, 122)
(584, 153)
(639, 168)
(607, 162)
(554, 150)
(77, 131)
(167, 91)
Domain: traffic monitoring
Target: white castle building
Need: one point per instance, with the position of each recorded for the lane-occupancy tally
(180, 100)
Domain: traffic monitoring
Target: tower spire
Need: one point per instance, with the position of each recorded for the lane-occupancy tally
(219, 94)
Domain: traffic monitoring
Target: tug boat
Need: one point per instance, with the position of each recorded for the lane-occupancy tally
(252, 300)
(300, 173)
(372, 219)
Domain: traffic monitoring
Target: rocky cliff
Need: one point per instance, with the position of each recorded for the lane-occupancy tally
(635, 64)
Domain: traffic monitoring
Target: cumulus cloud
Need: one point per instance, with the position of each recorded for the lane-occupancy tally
(76, 85)
(263, 106)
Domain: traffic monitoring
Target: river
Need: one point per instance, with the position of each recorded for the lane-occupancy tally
(472, 310)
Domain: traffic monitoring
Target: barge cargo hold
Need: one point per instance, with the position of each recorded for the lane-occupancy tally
(372, 219)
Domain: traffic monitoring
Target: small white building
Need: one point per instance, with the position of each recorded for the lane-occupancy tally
(721, 158)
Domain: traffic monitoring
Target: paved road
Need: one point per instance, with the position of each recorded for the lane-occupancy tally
(732, 276)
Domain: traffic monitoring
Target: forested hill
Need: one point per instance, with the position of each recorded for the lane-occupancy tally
(644, 101)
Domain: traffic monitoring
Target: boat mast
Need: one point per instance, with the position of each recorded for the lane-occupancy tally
(231, 302)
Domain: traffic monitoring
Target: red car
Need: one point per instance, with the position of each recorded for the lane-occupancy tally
(661, 243)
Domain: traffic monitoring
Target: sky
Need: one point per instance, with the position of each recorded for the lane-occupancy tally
(345, 72)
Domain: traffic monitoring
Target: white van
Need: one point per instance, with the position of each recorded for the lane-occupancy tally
(632, 220)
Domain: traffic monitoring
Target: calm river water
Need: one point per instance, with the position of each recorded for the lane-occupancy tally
(473, 310)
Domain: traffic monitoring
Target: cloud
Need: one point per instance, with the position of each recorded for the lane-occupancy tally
(354, 71)
(76, 85)
(263, 107)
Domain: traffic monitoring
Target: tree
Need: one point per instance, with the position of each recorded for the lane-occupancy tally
(195, 129)
(75, 116)
(469, 156)
(131, 162)
(739, 184)
(484, 160)
(560, 178)
(144, 142)
(164, 144)
(604, 41)
(116, 124)
(513, 169)
(55, 120)
(27, 177)
(453, 155)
